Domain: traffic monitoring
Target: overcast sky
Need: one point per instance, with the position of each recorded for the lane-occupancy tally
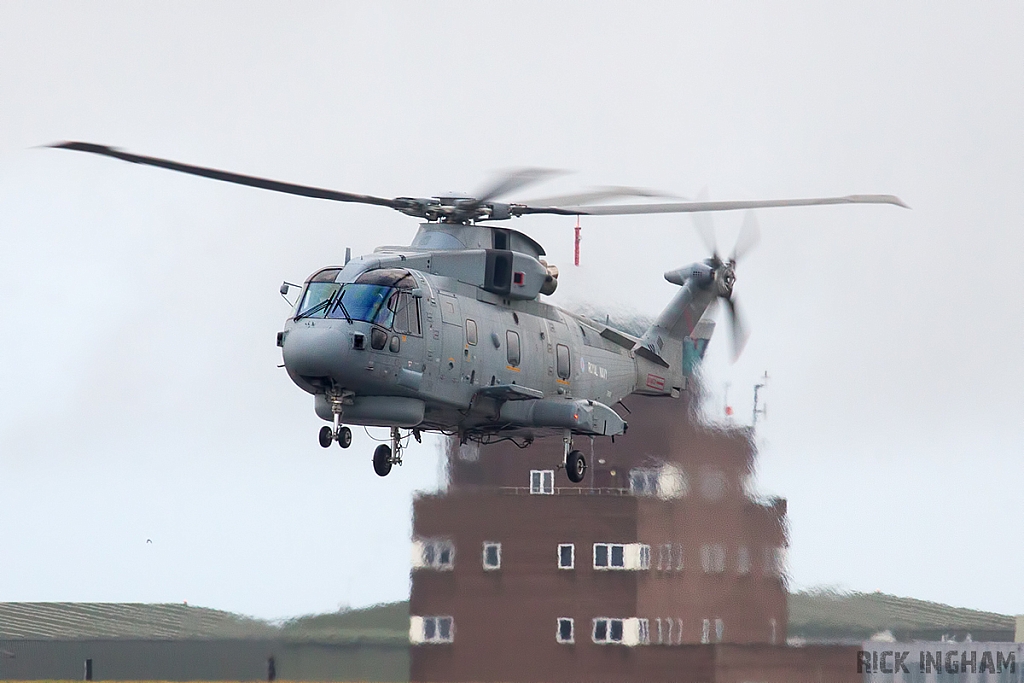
(140, 394)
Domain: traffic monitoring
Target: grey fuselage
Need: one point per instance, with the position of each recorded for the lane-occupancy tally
(476, 362)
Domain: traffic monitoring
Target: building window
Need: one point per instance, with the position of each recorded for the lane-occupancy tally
(667, 481)
(670, 631)
(567, 556)
(629, 632)
(562, 361)
(775, 562)
(712, 485)
(492, 555)
(644, 634)
(512, 348)
(643, 481)
(630, 556)
(542, 482)
(712, 558)
(607, 630)
(431, 630)
(664, 556)
(609, 556)
(471, 336)
(565, 633)
(743, 560)
(679, 557)
(433, 553)
(706, 634)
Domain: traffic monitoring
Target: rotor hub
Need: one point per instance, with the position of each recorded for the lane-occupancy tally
(725, 279)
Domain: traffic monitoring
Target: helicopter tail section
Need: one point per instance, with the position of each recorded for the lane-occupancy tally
(671, 347)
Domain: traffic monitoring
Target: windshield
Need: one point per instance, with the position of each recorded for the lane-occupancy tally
(350, 301)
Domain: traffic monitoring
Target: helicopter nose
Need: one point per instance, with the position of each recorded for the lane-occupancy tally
(311, 352)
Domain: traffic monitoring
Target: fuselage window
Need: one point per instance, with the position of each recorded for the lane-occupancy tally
(562, 360)
(471, 332)
(407, 313)
(512, 347)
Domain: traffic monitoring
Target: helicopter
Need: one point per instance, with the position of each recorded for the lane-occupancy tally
(450, 334)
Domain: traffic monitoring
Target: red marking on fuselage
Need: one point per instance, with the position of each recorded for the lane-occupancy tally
(656, 382)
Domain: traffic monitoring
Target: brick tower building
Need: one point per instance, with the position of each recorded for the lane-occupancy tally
(518, 575)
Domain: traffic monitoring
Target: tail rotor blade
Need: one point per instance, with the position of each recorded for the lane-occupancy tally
(740, 332)
(748, 239)
(706, 226)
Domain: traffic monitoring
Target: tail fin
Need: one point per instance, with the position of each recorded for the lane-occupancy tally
(677, 339)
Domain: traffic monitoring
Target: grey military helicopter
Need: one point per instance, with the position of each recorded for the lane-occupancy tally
(450, 334)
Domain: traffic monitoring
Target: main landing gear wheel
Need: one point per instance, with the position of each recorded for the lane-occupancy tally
(326, 436)
(344, 437)
(382, 460)
(575, 466)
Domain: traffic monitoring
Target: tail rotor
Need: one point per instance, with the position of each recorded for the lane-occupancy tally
(725, 271)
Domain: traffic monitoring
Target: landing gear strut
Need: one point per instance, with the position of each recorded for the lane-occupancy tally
(340, 433)
(384, 456)
(574, 462)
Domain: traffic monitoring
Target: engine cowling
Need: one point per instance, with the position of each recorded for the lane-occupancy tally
(550, 279)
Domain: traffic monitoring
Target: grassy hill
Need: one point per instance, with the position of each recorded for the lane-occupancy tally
(387, 623)
(832, 616)
(814, 616)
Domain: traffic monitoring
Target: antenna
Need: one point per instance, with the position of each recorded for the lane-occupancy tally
(763, 410)
(725, 402)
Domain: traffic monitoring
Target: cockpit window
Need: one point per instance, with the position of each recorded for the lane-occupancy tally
(390, 277)
(363, 302)
(326, 275)
(385, 306)
(347, 302)
(317, 297)
(380, 296)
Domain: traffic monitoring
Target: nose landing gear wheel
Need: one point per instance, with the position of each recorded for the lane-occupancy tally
(326, 436)
(575, 466)
(344, 437)
(382, 460)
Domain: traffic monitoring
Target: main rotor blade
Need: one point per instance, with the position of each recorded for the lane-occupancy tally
(228, 177)
(599, 194)
(691, 207)
(749, 237)
(513, 180)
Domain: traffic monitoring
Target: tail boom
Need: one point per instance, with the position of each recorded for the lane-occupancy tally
(666, 352)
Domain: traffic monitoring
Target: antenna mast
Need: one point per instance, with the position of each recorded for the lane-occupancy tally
(763, 410)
